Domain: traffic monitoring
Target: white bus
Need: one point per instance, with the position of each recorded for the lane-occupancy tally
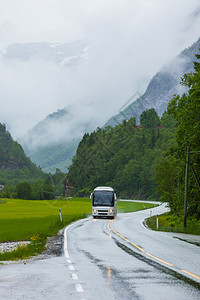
(104, 202)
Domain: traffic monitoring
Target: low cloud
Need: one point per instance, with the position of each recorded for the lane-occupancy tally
(129, 41)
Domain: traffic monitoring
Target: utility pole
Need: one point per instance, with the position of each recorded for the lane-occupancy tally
(186, 186)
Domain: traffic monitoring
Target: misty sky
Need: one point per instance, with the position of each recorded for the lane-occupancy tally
(129, 41)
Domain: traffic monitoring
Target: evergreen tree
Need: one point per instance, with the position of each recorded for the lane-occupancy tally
(149, 118)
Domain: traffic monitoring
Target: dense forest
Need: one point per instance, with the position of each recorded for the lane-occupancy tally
(147, 161)
(124, 156)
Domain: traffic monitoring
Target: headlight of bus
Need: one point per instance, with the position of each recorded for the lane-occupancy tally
(111, 210)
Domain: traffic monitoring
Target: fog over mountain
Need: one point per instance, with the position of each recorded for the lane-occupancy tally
(86, 57)
(124, 44)
(162, 87)
(53, 141)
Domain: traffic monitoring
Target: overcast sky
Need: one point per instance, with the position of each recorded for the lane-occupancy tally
(130, 40)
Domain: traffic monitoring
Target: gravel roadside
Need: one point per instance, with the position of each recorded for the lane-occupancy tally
(54, 248)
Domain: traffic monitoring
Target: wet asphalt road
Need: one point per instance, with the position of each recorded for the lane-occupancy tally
(105, 259)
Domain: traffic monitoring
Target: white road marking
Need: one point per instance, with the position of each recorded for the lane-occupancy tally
(65, 242)
(65, 238)
(71, 267)
(74, 276)
(79, 288)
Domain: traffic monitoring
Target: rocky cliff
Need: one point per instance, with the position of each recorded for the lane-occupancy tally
(161, 88)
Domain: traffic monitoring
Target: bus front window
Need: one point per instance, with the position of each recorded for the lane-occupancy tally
(103, 198)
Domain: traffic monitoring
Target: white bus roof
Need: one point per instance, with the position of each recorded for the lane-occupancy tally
(103, 188)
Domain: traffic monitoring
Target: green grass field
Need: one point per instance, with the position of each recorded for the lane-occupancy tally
(124, 207)
(26, 219)
(21, 219)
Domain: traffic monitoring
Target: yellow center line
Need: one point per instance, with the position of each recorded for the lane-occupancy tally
(161, 260)
(124, 238)
(191, 274)
(165, 262)
(115, 232)
(137, 247)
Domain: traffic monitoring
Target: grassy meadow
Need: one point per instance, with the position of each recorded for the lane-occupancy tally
(35, 220)
(22, 219)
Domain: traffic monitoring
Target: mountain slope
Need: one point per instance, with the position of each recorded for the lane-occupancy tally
(161, 88)
(52, 157)
(15, 166)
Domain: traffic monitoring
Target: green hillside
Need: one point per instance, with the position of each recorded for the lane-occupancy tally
(15, 166)
(123, 157)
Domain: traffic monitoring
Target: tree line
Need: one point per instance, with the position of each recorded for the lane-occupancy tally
(46, 188)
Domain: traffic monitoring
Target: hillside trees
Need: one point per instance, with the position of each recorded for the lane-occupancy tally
(22, 178)
(15, 166)
(11, 153)
(186, 113)
(123, 157)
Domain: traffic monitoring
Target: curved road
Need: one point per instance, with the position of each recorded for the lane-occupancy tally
(106, 259)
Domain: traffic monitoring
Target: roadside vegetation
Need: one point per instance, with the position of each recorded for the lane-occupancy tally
(35, 221)
(37, 241)
(173, 223)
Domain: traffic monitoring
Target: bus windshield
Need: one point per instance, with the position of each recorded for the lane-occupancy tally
(103, 198)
